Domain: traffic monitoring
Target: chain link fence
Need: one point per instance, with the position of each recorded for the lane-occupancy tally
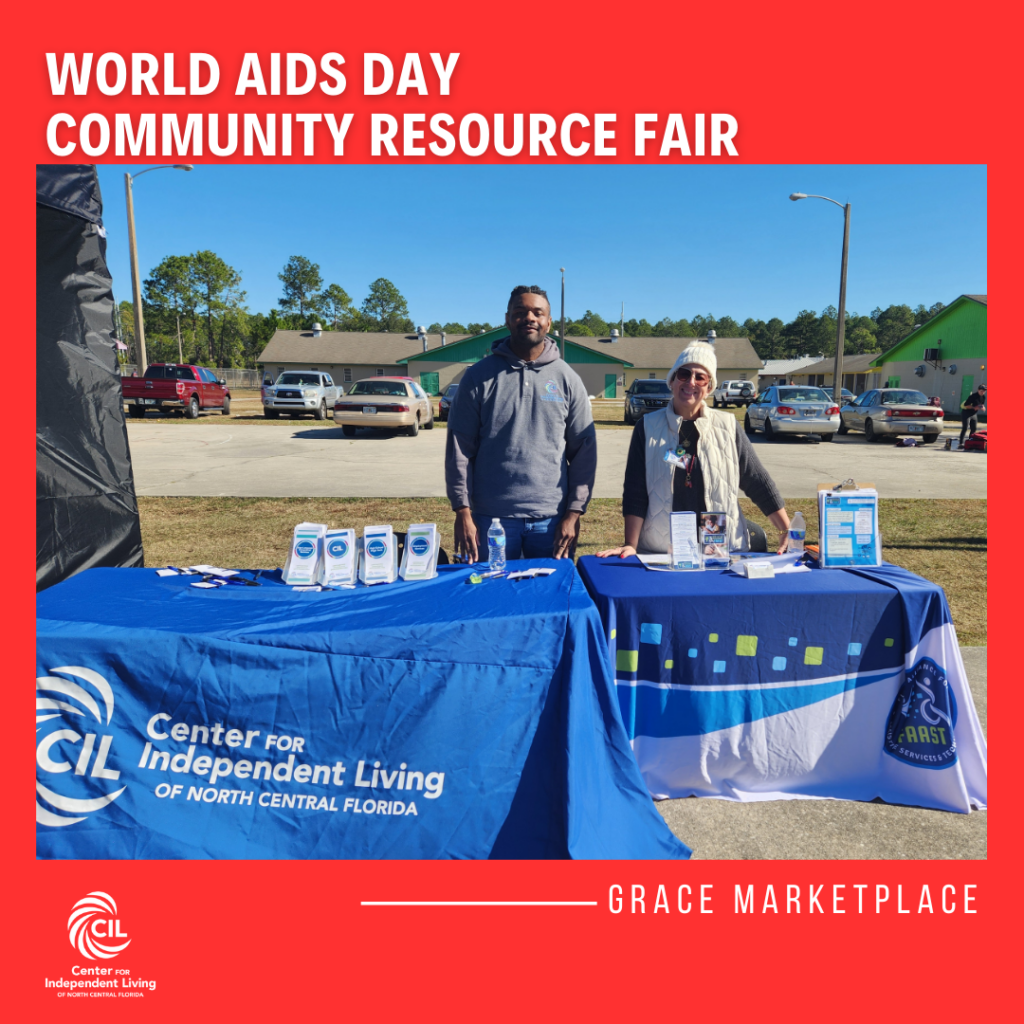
(235, 378)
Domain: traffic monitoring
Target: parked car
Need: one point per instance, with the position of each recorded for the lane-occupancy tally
(644, 396)
(388, 403)
(733, 392)
(444, 406)
(298, 392)
(176, 387)
(893, 411)
(793, 409)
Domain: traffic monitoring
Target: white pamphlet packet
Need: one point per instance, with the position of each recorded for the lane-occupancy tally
(684, 543)
(304, 561)
(378, 562)
(419, 559)
(339, 568)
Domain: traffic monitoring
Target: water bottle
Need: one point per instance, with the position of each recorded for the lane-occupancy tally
(496, 545)
(797, 533)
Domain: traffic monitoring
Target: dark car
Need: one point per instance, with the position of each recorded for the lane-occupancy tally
(644, 396)
(445, 405)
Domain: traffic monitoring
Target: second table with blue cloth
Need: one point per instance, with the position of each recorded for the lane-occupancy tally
(823, 683)
(410, 720)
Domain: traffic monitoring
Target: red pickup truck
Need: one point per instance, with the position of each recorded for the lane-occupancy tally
(181, 388)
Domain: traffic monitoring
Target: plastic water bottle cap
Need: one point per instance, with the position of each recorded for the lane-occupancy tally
(495, 520)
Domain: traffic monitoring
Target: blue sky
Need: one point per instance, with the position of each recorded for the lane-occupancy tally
(668, 241)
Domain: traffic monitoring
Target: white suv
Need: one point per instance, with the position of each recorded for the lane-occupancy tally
(738, 392)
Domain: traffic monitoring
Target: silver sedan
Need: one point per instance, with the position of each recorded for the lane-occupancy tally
(793, 409)
(893, 411)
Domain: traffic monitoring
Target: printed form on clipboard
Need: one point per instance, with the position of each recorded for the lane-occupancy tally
(848, 532)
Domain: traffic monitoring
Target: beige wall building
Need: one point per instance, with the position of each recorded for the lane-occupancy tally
(858, 373)
(607, 366)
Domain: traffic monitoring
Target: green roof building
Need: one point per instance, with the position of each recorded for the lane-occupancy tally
(945, 357)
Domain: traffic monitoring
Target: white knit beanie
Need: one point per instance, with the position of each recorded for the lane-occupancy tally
(700, 353)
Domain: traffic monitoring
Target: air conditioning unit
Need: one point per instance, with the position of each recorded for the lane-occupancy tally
(931, 355)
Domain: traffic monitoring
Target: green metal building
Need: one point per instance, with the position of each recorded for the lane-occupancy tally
(945, 357)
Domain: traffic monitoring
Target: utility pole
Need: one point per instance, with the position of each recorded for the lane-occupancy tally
(561, 333)
(837, 391)
(133, 253)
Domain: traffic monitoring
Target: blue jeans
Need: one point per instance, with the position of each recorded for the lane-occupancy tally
(524, 538)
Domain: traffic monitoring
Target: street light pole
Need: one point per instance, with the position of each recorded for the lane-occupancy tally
(837, 373)
(133, 252)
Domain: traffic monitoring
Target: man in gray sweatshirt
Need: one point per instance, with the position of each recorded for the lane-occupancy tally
(520, 442)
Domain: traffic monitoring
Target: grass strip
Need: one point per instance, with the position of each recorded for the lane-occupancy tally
(943, 540)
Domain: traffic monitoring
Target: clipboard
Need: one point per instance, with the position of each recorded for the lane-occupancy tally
(848, 530)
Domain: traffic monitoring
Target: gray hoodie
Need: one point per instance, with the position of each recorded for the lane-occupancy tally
(521, 440)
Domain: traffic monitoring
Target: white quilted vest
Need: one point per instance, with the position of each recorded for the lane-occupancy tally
(721, 466)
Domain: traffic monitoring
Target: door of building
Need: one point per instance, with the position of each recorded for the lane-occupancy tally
(610, 380)
(430, 383)
(966, 387)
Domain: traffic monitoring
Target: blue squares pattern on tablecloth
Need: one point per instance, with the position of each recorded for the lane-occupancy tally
(650, 633)
(778, 664)
(692, 652)
(719, 666)
(793, 641)
(853, 650)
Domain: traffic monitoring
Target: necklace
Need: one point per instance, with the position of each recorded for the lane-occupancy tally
(689, 461)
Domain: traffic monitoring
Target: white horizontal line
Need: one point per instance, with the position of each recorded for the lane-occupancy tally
(478, 903)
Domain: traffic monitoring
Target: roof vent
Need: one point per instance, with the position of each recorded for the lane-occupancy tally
(712, 337)
(615, 334)
(317, 330)
(444, 339)
(421, 333)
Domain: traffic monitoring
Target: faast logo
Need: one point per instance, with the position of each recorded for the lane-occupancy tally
(94, 917)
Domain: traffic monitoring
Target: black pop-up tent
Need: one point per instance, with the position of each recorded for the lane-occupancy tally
(86, 512)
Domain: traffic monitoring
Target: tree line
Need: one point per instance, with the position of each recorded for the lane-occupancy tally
(195, 311)
(808, 333)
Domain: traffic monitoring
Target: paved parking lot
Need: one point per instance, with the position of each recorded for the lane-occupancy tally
(300, 459)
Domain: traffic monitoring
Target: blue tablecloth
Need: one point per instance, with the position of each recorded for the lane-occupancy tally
(828, 683)
(411, 720)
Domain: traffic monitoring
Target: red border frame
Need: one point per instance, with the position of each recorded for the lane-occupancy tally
(871, 84)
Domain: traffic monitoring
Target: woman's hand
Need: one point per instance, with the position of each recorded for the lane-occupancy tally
(623, 552)
(780, 520)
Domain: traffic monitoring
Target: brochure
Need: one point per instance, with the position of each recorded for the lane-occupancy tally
(339, 569)
(304, 561)
(419, 560)
(713, 540)
(378, 563)
(685, 546)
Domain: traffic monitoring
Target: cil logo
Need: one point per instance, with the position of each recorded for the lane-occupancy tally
(93, 918)
(88, 750)
(337, 548)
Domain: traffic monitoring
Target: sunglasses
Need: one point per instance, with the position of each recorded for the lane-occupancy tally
(698, 378)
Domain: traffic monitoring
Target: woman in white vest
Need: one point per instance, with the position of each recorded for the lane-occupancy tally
(715, 462)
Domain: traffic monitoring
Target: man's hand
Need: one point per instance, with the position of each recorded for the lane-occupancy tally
(566, 535)
(465, 535)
